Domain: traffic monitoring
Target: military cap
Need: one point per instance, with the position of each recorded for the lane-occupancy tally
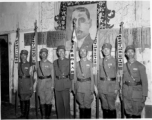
(130, 47)
(107, 45)
(85, 47)
(44, 50)
(24, 52)
(60, 47)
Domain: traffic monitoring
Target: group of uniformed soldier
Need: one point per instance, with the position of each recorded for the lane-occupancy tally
(55, 78)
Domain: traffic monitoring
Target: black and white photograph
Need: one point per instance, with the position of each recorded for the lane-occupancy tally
(75, 59)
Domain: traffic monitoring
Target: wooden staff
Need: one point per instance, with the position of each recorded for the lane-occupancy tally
(16, 62)
(120, 62)
(34, 61)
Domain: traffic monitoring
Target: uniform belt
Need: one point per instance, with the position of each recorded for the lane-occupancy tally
(84, 80)
(62, 77)
(24, 77)
(111, 79)
(133, 83)
(45, 77)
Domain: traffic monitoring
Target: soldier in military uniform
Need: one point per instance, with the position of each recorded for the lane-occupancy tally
(135, 85)
(45, 84)
(84, 84)
(25, 84)
(107, 84)
(62, 83)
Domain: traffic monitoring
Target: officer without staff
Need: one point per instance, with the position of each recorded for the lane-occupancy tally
(135, 85)
(84, 84)
(62, 83)
(45, 84)
(107, 83)
(25, 84)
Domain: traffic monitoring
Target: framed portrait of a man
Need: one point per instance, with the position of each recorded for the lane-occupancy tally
(85, 17)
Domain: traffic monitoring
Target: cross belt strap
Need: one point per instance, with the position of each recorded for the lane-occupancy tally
(41, 68)
(104, 68)
(129, 72)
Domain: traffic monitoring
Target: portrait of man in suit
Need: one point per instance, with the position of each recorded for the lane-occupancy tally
(85, 24)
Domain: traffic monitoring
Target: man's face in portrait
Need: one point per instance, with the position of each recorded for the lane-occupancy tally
(82, 23)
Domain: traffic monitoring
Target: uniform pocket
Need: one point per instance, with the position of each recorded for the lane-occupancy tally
(111, 87)
(137, 92)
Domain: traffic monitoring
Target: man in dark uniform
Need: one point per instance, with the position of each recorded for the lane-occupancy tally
(107, 84)
(84, 84)
(25, 84)
(62, 83)
(45, 84)
(135, 85)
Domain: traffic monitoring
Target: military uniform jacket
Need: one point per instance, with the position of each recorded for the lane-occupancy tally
(47, 69)
(138, 71)
(24, 81)
(62, 68)
(105, 86)
(86, 67)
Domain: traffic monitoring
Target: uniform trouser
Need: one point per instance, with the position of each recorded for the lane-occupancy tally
(108, 101)
(45, 92)
(84, 99)
(63, 103)
(133, 107)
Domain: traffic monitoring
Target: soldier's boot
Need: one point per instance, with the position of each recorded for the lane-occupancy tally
(87, 112)
(46, 111)
(27, 109)
(136, 116)
(49, 110)
(42, 110)
(105, 113)
(82, 113)
(22, 107)
(128, 116)
(113, 114)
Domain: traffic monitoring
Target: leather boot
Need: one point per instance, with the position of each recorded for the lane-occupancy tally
(105, 113)
(128, 116)
(82, 112)
(49, 110)
(113, 113)
(87, 112)
(27, 108)
(42, 110)
(46, 111)
(136, 116)
(22, 107)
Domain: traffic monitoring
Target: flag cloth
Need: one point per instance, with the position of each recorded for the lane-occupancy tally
(16, 62)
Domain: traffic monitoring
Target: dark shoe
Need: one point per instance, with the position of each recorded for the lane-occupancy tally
(128, 116)
(46, 111)
(113, 114)
(87, 112)
(105, 113)
(49, 109)
(42, 110)
(27, 109)
(22, 107)
(136, 116)
(82, 112)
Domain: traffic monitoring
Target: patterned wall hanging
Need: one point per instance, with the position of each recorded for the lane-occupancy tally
(102, 11)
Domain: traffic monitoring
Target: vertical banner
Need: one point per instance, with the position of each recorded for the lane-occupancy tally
(120, 62)
(16, 61)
